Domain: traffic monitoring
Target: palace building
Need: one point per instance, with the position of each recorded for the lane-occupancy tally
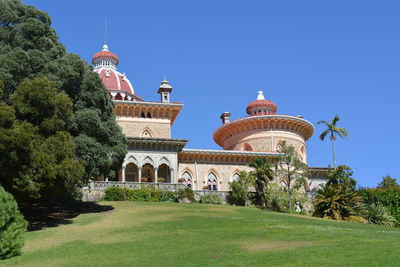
(155, 157)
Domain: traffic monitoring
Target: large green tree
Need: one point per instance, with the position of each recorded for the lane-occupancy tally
(37, 154)
(332, 130)
(29, 48)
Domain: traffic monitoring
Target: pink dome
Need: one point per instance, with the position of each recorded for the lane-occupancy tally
(113, 80)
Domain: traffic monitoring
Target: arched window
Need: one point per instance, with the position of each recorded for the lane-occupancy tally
(235, 177)
(279, 146)
(142, 115)
(247, 147)
(302, 152)
(186, 179)
(212, 181)
(148, 115)
(131, 172)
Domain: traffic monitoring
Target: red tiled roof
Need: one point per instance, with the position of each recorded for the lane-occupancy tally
(261, 104)
(105, 54)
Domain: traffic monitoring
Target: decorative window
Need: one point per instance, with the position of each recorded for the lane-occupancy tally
(146, 134)
(212, 182)
(235, 177)
(247, 147)
(186, 179)
(279, 146)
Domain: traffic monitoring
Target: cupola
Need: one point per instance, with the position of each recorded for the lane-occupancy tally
(164, 90)
(261, 106)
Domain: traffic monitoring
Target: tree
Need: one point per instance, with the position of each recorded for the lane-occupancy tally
(29, 48)
(240, 189)
(12, 226)
(292, 169)
(332, 131)
(338, 198)
(388, 182)
(37, 153)
(263, 175)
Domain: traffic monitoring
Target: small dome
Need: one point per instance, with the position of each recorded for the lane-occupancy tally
(261, 106)
(104, 55)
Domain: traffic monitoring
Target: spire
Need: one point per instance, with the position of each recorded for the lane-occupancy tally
(260, 96)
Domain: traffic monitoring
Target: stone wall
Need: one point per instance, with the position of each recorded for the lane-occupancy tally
(136, 127)
(223, 171)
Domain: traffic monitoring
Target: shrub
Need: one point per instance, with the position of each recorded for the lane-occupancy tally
(186, 193)
(12, 226)
(115, 194)
(238, 194)
(210, 199)
(277, 198)
(377, 214)
(387, 197)
(143, 194)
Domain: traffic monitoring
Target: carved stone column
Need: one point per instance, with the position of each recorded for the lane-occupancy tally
(123, 174)
(156, 175)
(140, 175)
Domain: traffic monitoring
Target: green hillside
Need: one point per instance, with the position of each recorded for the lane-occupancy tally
(173, 234)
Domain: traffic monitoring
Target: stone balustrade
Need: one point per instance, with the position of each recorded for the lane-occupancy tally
(102, 185)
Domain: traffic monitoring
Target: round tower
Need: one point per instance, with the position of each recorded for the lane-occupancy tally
(264, 130)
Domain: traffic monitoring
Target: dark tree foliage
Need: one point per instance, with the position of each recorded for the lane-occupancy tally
(29, 48)
(37, 153)
(12, 226)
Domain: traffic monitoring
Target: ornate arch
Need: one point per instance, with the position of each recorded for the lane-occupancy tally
(188, 170)
(130, 159)
(148, 160)
(165, 161)
(247, 147)
(146, 132)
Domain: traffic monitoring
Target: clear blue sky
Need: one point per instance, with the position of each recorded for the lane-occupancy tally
(314, 58)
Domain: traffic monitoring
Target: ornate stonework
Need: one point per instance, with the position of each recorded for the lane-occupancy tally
(154, 158)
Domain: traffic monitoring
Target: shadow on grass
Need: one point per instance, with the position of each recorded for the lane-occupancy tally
(45, 215)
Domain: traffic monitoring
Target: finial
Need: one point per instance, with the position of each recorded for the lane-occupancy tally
(105, 47)
(260, 96)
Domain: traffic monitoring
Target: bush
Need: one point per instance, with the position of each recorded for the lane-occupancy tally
(238, 194)
(116, 194)
(387, 197)
(277, 198)
(143, 194)
(12, 226)
(186, 193)
(210, 199)
(377, 214)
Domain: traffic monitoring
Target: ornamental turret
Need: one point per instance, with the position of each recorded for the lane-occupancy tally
(261, 106)
(165, 90)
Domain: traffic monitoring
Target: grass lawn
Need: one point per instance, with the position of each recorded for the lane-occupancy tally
(174, 234)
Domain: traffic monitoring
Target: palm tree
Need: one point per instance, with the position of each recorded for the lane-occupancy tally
(263, 175)
(332, 130)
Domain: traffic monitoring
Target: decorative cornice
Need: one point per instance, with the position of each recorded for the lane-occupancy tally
(267, 122)
(223, 156)
(159, 110)
(154, 144)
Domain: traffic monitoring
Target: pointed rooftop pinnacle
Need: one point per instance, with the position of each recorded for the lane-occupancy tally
(260, 96)
(105, 48)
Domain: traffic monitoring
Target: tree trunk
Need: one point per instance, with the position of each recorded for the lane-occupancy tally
(289, 191)
(334, 155)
